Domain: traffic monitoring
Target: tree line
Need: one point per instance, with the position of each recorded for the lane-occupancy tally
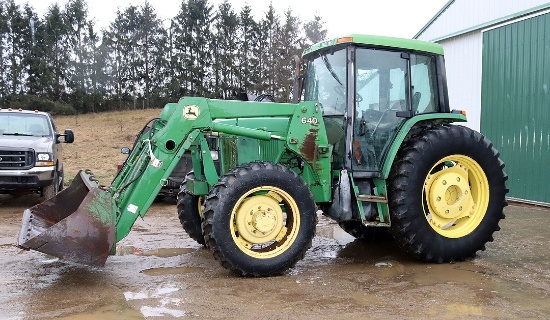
(60, 62)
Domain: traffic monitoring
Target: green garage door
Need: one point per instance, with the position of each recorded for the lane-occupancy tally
(515, 100)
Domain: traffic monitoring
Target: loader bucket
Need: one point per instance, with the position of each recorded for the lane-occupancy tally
(76, 225)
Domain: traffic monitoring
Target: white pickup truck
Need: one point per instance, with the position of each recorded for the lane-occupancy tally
(30, 153)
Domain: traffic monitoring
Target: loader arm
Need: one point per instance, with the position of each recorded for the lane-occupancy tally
(183, 125)
(84, 222)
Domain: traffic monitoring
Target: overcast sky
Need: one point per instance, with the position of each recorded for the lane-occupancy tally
(400, 18)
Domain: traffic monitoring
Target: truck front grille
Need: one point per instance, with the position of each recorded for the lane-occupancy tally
(16, 158)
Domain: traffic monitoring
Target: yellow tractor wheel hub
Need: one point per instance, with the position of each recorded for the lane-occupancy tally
(456, 196)
(265, 222)
(260, 219)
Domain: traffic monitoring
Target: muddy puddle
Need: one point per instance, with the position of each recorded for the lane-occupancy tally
(160, 273)
(172, 270)
(163, 252)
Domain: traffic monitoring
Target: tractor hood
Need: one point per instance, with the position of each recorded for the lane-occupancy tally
(38, 144)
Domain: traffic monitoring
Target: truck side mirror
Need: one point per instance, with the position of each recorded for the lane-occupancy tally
(68, 134)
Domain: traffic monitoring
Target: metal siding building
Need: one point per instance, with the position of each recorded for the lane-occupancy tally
(464, 76)
(497, 55)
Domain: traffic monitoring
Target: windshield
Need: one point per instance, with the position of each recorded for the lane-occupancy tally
(24, 124)
(326, 81)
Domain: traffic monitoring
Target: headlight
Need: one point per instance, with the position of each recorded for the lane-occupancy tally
(214, 155)
(44, 160)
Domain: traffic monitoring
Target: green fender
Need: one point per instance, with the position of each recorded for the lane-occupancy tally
(380, 188)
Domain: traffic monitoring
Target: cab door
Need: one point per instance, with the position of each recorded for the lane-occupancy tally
(381, 91)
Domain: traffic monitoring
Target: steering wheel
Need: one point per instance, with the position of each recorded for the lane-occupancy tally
(340, 91)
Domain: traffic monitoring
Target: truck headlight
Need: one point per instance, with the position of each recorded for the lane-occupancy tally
(44, 160)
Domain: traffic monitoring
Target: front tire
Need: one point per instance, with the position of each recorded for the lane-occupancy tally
(189, 208)
(447, 194)
(61, 180)
(259, 219)
(51, 190)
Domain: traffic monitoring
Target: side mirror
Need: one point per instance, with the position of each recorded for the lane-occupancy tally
(297, 85)
(125, 150)
(68, 134)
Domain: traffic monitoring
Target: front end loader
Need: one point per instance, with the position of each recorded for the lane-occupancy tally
(372, 144)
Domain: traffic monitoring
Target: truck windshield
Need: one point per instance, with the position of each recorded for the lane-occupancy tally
(326, 81)
(24, 124)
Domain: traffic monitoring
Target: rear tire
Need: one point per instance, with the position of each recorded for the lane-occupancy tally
(259, 219)
(447, 194)
(189, 209)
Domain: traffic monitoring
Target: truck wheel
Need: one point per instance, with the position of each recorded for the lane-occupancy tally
(259, 219)
(61, 176)
(446, 194)
(369, 234)
(50, 191)
(189, 209)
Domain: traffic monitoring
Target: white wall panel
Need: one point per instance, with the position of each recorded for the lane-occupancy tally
(464, 14)
(463, 64)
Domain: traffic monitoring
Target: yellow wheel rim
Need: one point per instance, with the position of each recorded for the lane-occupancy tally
(265, 222)
(455, 196)
(200, 204)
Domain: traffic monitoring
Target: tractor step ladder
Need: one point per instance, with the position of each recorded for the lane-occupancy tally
(372, 198)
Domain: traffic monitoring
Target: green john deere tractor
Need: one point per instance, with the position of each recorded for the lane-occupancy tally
(369, 139)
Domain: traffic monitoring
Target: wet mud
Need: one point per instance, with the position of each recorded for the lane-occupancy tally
(160, 273)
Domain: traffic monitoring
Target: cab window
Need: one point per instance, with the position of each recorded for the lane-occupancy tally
(423, 84)
(326, 82)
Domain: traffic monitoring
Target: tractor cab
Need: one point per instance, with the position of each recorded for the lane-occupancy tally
(367, 89)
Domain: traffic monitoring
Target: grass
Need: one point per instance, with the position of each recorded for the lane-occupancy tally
(98, 140)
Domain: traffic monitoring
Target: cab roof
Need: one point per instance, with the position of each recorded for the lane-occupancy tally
(21, 111)
(382, 41)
